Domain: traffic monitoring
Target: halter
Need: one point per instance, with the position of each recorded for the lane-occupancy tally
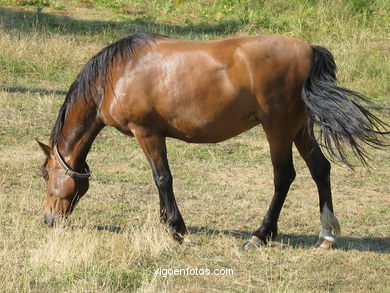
(69, 171)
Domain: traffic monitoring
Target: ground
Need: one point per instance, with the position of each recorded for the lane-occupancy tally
(113, 241)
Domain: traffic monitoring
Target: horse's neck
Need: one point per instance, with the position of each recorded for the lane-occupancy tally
(81, 126)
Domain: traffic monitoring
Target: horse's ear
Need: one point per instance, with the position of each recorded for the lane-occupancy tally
(45, 148)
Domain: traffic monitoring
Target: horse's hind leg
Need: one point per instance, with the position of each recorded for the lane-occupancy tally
(154, 147)
(320, 171)
(284, 175)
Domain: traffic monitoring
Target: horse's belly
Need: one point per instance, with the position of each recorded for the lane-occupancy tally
(214, 128)
(214, 135)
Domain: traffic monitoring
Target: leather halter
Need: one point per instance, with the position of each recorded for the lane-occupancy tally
(69, 171)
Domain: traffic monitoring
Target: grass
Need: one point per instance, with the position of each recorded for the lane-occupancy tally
(113, 242)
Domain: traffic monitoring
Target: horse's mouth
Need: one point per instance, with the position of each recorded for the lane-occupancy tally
(50, 219)
(54, 218)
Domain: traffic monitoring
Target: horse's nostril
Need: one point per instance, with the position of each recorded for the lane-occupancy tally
(49, 219)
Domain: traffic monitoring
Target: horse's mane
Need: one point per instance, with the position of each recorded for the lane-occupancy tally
(89, 84)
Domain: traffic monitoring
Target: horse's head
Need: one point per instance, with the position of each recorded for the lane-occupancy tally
(64, 186)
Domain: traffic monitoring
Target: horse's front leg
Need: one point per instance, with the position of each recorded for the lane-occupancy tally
(154, 147)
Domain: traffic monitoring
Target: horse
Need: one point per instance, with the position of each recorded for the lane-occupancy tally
(150, 87)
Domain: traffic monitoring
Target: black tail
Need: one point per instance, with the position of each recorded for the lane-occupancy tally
(338, 112)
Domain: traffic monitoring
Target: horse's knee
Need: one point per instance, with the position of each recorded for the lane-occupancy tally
(163, 181)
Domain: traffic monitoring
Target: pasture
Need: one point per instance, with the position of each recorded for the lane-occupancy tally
(113, 242)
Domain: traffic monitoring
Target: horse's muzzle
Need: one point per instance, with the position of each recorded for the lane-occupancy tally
(50, 219)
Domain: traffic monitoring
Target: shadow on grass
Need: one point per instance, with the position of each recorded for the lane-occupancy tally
(373, 244)
(22, 21)
(113, 229)
(243, 235)
(21, 89)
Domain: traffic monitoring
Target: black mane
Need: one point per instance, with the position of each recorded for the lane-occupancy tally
(89, 84)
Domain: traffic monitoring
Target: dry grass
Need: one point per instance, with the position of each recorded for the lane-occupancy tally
(113, 241)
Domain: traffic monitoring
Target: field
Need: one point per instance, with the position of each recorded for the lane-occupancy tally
(113, 241)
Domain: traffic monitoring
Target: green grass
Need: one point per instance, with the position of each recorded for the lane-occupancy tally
(113, 242)
(355, 31)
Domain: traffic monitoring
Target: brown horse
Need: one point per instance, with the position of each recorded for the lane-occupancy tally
(152, 87)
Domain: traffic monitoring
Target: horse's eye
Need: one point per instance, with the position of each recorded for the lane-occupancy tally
(44, 173)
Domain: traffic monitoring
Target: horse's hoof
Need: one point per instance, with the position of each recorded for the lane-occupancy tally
(254, 242)
(178, 237)
(325, 244)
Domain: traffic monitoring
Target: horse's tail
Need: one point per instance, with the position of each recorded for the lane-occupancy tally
(338, 112)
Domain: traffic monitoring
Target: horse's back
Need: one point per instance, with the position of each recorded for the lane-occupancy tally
(208, 91)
